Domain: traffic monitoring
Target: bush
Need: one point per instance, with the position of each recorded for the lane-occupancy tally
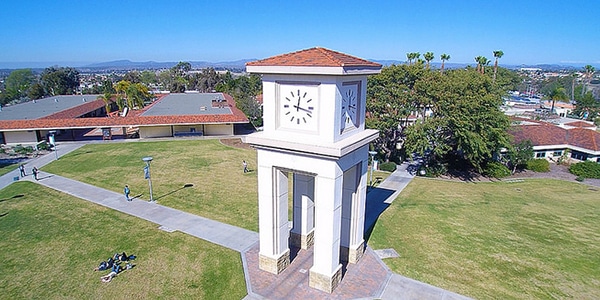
(43, 146)
(586, 169)
(22, 150)
(387, 166)
(496, 170)
(538, 165)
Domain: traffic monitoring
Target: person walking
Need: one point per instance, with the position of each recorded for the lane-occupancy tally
(245, 164)
(34, 172)
(126, 191)
(22, 169)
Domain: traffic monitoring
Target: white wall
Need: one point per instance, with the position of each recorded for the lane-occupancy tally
(218, 129)
(155, 131)
(186, 128)
(20, 137)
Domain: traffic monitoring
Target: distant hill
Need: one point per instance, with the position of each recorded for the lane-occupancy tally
(125, 65)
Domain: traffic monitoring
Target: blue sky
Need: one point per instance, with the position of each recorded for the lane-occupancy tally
(87, 31)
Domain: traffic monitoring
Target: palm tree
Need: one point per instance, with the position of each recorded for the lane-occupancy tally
(428, 57)
(497, 54)
(482, 61)
(560, 94)
(589, 72)
(107, 98)
(444, 57)
(409, 57)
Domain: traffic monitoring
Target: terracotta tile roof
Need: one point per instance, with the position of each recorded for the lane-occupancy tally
(77, 111)
(314, 57)
(579, 124)
(69, 119)
(549, 135)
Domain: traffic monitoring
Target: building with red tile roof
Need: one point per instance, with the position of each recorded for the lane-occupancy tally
(551, 141)
(170, 115)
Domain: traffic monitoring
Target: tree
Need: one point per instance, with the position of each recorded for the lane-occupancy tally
(107, 98)
(121, 88)
(558, 94)
(444, 57)
(391, 100)
(482, 61)
(587, 107)
(18, 84)
(589, 73)
(467, 127)
(428, 58)
(518, 155)
(497, 54)
(60, 81)
(137, 94)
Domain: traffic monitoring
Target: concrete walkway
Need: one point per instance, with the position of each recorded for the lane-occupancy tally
(239, 239)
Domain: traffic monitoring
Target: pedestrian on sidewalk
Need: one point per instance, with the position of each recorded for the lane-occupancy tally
(245, 164)
(34, 172)
(126, 191)
(22, 169)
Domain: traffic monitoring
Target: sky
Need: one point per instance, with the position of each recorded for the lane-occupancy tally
(76, 33)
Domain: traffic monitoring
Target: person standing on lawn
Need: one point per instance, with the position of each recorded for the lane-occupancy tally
(245, 164)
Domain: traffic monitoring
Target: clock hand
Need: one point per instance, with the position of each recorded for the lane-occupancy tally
(302, 109)
(298, 105)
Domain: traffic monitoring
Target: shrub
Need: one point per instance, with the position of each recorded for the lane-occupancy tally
(22, 150)
(586, 169)
(387, 166)
(496, 170)
(43, 146)
(538, 165)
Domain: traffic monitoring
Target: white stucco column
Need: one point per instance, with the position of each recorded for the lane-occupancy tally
(326, 271)
(302, 234)
(353, 208)
(274, 254)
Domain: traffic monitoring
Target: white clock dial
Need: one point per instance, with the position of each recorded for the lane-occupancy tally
(298, 107)
(350, 107)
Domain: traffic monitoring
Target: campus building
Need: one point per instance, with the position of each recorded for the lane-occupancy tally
(81, 117)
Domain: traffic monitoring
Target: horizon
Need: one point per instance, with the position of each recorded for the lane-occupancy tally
(70, 33)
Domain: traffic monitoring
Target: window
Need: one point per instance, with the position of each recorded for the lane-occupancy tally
(540, 155)
(557, 153)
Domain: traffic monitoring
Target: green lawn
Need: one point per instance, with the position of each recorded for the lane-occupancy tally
(51, 242)
(221, 191)
(5, 168)
(535, 239)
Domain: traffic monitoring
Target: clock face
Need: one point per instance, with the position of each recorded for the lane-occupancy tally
(298, 107)
(350, 106)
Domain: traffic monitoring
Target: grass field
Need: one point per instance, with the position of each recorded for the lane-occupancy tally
(51, 242)
(5, 168)
(221, 191)
(533, 239)
(537, 239)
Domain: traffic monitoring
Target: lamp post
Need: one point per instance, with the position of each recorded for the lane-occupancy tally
(372, 154)
(53, 142)
(148, 159)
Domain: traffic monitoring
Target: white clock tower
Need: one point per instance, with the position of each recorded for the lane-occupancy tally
(314, 130)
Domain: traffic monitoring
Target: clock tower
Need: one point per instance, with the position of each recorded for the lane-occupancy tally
(314, 136)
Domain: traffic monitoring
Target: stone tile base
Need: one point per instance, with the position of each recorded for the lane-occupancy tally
(352, 255)
(302, 241)
(326, 283)
(274, 265)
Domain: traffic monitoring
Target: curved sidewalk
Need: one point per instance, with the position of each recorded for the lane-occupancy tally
(239, 239)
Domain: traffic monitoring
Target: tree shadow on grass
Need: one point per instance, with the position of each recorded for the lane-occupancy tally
(187, 185)
(13, 197)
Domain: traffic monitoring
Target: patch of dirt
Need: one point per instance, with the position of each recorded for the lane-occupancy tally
(560, 172)
(236, 143)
